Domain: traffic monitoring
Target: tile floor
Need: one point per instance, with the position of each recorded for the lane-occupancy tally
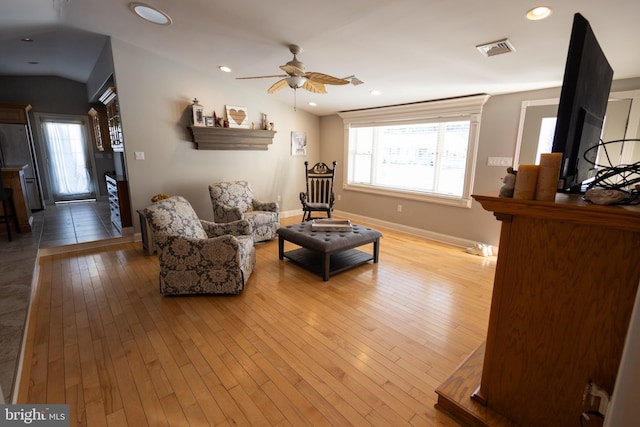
(59, 225)
(79, 222)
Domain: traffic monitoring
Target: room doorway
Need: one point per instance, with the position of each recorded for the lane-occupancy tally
(66, 148)
(623, 113)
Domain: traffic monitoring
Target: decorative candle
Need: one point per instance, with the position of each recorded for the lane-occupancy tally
(548, 173)
(526, 182)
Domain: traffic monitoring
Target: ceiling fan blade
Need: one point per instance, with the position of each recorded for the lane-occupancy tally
(261, 77)
(325, 79)
(280, 84)
(292, 70)
(314, 87)
(354, 80)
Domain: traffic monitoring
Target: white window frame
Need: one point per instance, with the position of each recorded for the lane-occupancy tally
(464, 108)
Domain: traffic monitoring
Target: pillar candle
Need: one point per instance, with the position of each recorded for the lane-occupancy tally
(526, 182)
(548, 173)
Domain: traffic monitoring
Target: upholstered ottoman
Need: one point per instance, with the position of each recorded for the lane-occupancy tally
(328, 252)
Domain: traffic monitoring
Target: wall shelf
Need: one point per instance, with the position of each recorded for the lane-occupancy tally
(216, 138)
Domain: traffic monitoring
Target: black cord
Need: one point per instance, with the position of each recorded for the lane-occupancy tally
(619, 177)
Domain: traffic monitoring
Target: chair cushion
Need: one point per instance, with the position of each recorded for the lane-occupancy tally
(174, 217)
(257, 218)
(318, 206)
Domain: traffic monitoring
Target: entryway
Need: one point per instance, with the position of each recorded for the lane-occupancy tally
(77, 222)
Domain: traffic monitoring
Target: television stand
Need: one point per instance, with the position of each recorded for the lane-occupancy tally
(566, 280)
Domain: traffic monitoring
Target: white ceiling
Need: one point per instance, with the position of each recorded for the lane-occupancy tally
(410, 50)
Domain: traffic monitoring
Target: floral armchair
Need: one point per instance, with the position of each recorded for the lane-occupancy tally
(197, 256)
(234, 200)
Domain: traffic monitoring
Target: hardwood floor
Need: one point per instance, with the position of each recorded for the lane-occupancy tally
(368, 347)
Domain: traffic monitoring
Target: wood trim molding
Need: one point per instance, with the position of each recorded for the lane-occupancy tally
(216, 138)
(566, 207)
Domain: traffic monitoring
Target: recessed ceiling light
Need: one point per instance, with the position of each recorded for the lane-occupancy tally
(313, 104)
(150, 13)
(375, 92)
(224, 68)
(538, 13)
(26, 39)
(33, 62)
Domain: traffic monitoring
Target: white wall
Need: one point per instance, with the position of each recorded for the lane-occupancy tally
(498, 134)
(154, 95)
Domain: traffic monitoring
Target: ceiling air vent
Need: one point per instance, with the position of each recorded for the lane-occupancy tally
(496, 48)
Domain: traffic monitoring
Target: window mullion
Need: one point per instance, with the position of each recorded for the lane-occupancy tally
(373, 178)
(439, 151)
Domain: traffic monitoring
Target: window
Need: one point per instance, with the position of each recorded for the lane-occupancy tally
(424, 151)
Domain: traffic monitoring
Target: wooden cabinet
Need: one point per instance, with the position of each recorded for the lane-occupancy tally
(119, 202)
(565, 284)
(13, 177)
(100, 128)
(113, 124)
(14, 113)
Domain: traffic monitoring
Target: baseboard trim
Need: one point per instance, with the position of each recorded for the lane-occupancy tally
(431, 235)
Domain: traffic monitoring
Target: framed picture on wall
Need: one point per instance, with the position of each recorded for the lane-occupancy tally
(237, 117)
(298, 143)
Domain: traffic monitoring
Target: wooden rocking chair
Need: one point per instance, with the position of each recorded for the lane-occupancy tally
(319, 196)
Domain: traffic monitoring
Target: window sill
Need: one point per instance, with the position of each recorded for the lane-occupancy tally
(459, 202)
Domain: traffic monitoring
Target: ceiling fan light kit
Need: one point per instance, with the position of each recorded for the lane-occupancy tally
(297, 78)
(295, 82)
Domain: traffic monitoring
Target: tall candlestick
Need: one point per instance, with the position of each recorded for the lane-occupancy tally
(548, 173)
(526, 182)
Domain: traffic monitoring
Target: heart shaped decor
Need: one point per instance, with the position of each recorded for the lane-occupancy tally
(238, 116)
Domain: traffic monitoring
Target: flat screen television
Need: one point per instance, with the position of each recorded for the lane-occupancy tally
(583, 104)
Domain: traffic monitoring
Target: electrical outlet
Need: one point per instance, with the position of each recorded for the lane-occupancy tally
(139, 155)
(339, 197)
(279, 198)
(500, 161)
(399, 208)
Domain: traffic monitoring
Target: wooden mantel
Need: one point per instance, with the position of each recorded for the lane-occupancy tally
(566, 279)
(217, 138)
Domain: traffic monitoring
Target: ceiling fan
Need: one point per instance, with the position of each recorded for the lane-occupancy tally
(296, 77)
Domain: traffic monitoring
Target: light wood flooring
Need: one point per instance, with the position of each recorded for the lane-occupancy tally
(368, 347)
